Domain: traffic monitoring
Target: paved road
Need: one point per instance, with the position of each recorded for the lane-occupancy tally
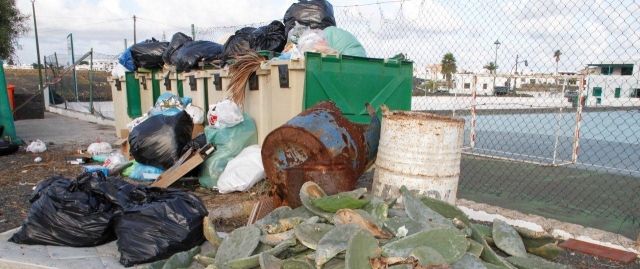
(63, 130)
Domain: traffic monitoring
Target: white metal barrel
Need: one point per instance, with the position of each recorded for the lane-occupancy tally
(420, 151)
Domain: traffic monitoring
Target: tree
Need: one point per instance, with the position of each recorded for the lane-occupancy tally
(491, 67)
(448, 67)
(12, 25)
(35, 66)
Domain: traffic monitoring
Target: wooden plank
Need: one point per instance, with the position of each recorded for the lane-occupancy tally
(621, 256)
(189, 161)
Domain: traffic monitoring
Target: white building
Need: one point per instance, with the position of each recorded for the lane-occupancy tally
(534, 84)
(98, 65)
(613, 84)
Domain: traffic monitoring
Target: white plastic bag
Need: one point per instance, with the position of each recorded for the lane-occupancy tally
(114, 160)
(224, 114)
(99, 148)
(118, 70)
(37, 146)
(244, 171)
(196, 113)
(313, 40)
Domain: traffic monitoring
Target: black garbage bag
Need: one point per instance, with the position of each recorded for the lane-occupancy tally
(317, 14)
(148, 54)
(158, 141)
(188, 56)
(157, 223)
(238, 43)
(66, 212)
(7, 148)
(269, 37)
(177, 41)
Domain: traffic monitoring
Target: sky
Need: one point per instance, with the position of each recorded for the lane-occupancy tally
(584, 31)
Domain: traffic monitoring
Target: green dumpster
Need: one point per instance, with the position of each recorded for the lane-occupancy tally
(133, 95)
(351, 82)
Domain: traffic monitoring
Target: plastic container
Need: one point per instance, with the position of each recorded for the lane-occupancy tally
(194, 86)
(119, 97)
(420, 151)
(177, 85)
(134, 102)
(11, 89)
(216, 87)
(149, 89)
(259, 102)
(164, 83)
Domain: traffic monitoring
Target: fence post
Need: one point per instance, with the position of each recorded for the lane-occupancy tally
(6, 115)
(559, 117)
(576, 133)
(472, 132)
(91, 82)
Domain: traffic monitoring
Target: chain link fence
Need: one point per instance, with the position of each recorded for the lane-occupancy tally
(550, 91)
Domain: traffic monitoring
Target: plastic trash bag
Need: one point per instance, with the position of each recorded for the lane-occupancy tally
(344, 42)
(314, 41)
(66, 212)
(229, 142)
(126, 60)
(317, 14)
(99, 148)
(143, 172)
(7, 148)
(296, 32)
(157, 223)
(177, 41)
(118, 70)
(190, 54)
(238, 43)
(158, 141)
(244, 171)
(269, 37)
(148, 54)
(135, 122)
(37, 146)
(224, 114)
(115, 159)
(196, 113)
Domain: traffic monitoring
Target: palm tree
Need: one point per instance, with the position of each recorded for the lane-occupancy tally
(491, 67)
(556, 55)
(448, 67)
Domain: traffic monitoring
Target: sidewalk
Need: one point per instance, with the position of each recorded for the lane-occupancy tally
(64, 130)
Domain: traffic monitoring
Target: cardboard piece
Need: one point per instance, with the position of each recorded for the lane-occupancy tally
(189, 161)
(197, 130)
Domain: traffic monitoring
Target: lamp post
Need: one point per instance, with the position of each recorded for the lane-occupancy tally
(526, 63)
(495, 62)
(35, 28)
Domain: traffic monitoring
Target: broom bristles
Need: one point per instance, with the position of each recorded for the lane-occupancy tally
(240, 71)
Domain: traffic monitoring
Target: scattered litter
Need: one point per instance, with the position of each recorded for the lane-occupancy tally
(228, 142)
(99, 148)
(224, 114)
(37, 146)
(114, 160)
(37, 159)
(142, 172)
(96, 168)
(243, 171)
(196, 113)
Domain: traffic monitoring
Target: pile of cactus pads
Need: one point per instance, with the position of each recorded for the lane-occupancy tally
(354, 230)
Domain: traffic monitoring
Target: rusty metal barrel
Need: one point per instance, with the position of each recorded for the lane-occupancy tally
(319, 135)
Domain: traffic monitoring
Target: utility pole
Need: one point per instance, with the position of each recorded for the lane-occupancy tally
(134, 30)
(164, 36)
(515, 80)
(495, 62)
(35, 28)
(193, 31)
(125, 44)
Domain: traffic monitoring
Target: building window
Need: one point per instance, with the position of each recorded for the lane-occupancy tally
(467, 85)
(523, 80)
(616, 94)
(484, 86)
(635, 93)
(626, 71)
(532, 81)
(606, 70)
(597, 91)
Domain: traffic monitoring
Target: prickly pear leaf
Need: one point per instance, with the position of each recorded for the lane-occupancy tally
(254, 261)
(412, 226)
(268, 261)
(549, 251)
(275, 215)
(475, 248)
(334, 242)
(363, 220)
(181, 259)
(507, 239)
(445, 209)
(309, 234)
(378, 209)
(488, 255)
(210, 233)
(362, 247)
(534, 262)
(418, 211)
(310, 191)
(468, 261)
(336, 202)
(239, 244)
(428, 256)
(449, 242)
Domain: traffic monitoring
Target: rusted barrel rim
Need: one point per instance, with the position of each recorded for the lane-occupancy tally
(414, 115)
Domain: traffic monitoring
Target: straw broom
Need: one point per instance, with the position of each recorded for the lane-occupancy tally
(245, 65)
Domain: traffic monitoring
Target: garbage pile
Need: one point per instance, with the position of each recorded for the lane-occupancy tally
(356, 230)
(150, 224)
(307, 26)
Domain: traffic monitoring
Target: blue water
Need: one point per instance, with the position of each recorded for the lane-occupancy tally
(609, 141)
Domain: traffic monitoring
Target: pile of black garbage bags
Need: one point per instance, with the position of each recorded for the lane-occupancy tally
(149, 223)
(186, 54)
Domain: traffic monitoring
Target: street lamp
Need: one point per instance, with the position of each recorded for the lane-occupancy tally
(495, 63)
